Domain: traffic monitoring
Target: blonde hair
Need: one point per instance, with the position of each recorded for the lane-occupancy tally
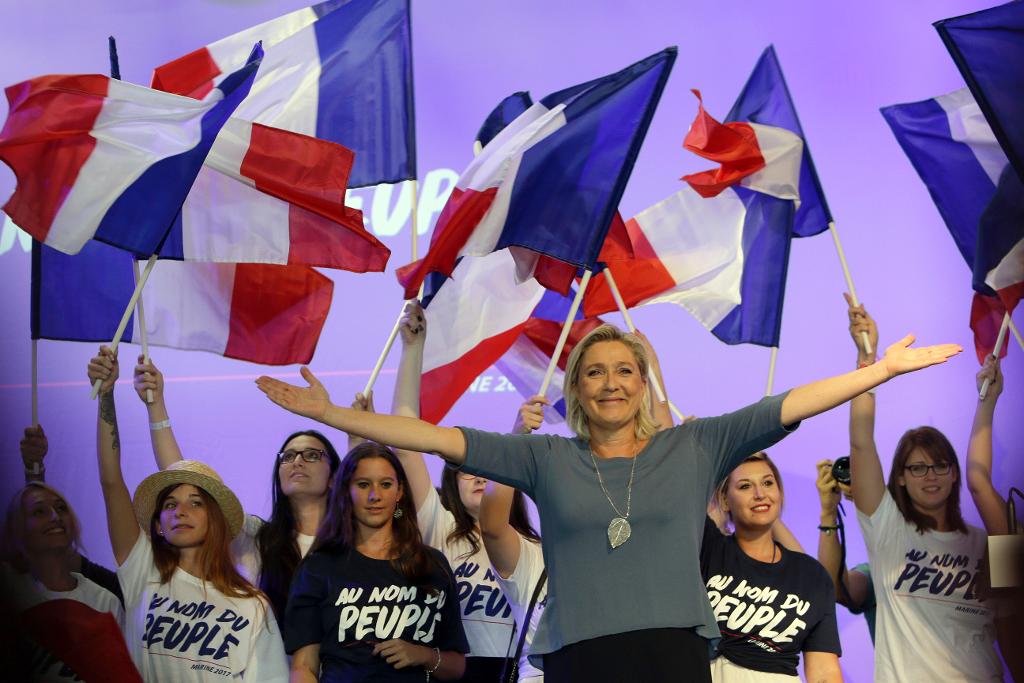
(12, 545)
(644, 424)
(760, 456)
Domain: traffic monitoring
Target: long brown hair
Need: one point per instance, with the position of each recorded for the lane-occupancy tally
(412, 558)
(214, 555)
(940, 450)
(465, 525)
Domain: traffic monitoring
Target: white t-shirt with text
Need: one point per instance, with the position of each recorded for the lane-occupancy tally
(518, 588)
(930, 624)
(486, 614)
(189, 632)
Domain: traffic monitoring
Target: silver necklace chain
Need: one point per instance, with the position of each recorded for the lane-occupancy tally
(629, 486)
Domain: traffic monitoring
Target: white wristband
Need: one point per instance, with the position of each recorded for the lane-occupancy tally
(157, 426)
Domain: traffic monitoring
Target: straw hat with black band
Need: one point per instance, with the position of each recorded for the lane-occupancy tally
(200, 475)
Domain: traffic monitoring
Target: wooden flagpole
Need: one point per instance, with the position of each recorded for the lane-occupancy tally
(995, 352)
(142, 329)
(1016, 333)
(659, 391)
(565, 333)
(849, 283)
(128, 314)
(771, 371)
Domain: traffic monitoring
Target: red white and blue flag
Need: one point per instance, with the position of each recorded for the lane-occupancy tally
(956, 154)
(99, 158)
(720, 246)
(550, 182)
(340, 71)
(259, 313)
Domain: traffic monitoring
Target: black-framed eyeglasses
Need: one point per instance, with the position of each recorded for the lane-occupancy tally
(307, 455)
(919, 469)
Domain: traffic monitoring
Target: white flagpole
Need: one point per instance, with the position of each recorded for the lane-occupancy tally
(1016, 333)
(659, 392)
(128, 314)
(565, 333)
(142, 329)
(771, 371)
(849, 281)
(394, 330)
(995, 352)
(35, 382)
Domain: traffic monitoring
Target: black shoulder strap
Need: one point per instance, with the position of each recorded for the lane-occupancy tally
(514, 672)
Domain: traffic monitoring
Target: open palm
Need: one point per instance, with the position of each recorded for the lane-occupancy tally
(900, 358)
(311, 401)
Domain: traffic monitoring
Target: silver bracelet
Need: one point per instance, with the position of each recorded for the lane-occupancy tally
(436, 664)
(157, 426)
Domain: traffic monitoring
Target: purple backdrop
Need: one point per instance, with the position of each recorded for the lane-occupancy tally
(842, 62)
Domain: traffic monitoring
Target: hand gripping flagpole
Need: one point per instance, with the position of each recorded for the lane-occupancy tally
(849, 282)
(127, 314)
(995, 352)
(565, 332)
(658, 390)
(394, 330)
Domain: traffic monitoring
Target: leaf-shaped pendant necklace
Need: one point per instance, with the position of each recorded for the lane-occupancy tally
(619, 529)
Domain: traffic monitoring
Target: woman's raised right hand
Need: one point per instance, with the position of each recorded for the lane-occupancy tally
(103, 367)
(148, 377)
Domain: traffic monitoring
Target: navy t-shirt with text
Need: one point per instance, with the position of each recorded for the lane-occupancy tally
(347, 603)
(768, 613)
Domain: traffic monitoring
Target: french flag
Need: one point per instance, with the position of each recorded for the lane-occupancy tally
(99, 158)
(955, 152)
(526, 362)
(340, 71)
(473, 318)
(765, 100)
(549, 183)
(720, 246)
(259, 313)
(266, 195)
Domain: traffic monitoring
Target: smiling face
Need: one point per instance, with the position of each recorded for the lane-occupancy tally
(49, 522)
(928, 493)
(610, 387)
(375, 492)
(184, 517)
(301, 478)
(753, 497)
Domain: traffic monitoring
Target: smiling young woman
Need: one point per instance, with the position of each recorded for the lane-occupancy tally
(925, 561)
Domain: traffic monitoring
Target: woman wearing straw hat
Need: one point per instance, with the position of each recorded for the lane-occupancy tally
(190, 614)
(266, 552)
(622, 505)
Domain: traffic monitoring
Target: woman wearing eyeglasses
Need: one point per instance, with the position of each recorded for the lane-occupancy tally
(266, 552)
(925, 561)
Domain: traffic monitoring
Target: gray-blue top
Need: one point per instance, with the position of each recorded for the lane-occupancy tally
(653, 580)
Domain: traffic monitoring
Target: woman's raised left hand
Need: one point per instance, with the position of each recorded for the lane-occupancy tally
(900, 358)
(311, 401)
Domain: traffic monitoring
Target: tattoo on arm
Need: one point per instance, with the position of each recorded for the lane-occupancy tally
(109, 415)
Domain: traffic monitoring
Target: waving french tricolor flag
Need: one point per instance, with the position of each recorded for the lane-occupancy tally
(259, 313)
(550, 182)
(98, 157)
(340, 71)
(765, 100)
(473, 318)
(956, 154)
(719, 247)
(266, 195)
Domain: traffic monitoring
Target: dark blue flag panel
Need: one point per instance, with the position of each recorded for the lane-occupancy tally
(988, 48)
(765, 99)
(366, 93)
(568, 185)
(1000, 229)
(80, 297)
(767, 229)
